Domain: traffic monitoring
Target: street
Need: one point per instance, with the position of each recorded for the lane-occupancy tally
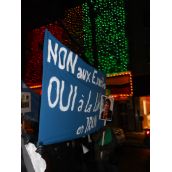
(135, 159)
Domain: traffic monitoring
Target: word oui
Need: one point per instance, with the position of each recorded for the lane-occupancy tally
(59, 95)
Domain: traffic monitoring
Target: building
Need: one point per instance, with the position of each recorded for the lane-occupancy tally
(36, 16)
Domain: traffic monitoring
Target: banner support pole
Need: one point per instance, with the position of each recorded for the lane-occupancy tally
(103, 140)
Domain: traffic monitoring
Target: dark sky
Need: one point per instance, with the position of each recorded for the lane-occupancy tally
(36, 13)
(138, 28)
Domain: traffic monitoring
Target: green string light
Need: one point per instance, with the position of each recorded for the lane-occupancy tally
(111, 41)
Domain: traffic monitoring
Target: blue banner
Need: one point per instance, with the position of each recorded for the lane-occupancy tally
(71, 95)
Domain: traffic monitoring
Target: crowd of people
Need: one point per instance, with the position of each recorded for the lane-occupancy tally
(100, 152)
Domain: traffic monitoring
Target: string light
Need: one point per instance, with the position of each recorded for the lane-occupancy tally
(111, 41)
(121, 91)
(34, 52)
(73, 26)
(35, 86)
